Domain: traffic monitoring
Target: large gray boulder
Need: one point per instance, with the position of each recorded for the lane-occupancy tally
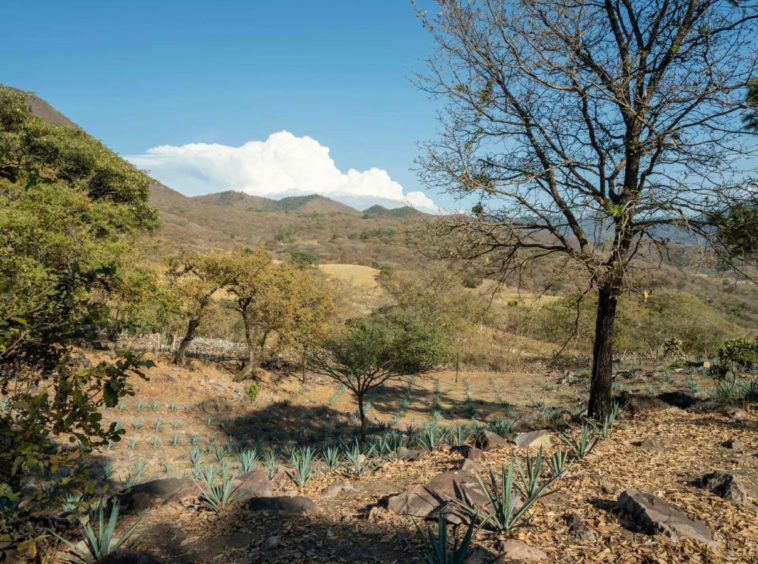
(420, 501)
(655, 516)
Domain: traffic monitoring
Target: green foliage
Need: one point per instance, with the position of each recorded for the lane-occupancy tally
(735, 356)
(642, 325)
(302, 259)
(472, 280)
(435, 548)
(252, 392)
(99, 542)
(380, 233)
(388, 344)
(67, 205)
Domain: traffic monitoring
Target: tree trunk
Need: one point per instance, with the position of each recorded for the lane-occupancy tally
(362, 415)
(601, 394)
(247, 369)
(190, 335)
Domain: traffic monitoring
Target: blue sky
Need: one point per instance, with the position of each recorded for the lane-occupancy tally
(139, 75)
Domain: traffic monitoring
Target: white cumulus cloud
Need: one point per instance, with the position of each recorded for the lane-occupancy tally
(281, 165)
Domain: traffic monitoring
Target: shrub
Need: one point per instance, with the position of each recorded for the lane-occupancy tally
(472, 280)
(735, 356)
(302, 259)
(253, 391)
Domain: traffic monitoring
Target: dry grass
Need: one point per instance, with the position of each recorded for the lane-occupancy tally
(351, 530)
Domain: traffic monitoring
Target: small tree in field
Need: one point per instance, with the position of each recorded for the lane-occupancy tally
(370, 351)
(276, 302)
(595, 131)
(193, 280)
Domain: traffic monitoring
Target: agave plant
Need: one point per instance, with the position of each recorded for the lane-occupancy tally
(271, 462)
(582, 446)
(99, 542)
(506, 512)
(107, 470)
(195, 455)
(359, 461)
(223, 495)
(459, 435)
(559, 463)
(331, 456)
(247, 459)
(158, 425)
(435, 549)
(175, 440)
(429, 438)
(302, 460)
(502, 427)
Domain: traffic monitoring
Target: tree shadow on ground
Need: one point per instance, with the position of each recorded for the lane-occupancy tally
(318, 538)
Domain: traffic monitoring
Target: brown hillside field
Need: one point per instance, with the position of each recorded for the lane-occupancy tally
(355, 527)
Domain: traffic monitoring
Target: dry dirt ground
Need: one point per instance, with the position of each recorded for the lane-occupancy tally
(206, 403)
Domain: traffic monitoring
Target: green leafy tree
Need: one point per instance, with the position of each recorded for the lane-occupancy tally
(69, 209)
(277, 303)
(193, 280)
(388, 344)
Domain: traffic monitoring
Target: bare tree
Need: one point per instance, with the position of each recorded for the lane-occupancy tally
(591, 129)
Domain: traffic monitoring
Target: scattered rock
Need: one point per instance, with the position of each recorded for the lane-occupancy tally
(142, 496)
(488, 441)
(471, 453)
(336, 490)
(516, 550)
(655, 516)
(651, 443)
(678, 399)
(726, 486)
(419, 501)
(533, 439)
(284, 504)
(271, 542)
(471, 466)
(125, 556)
(737, 414)
(453, 514)
(579, 529)
(529, 421)
(411, 455)
(480, 556)
(734, 444)
(639, 403)
(255, 484)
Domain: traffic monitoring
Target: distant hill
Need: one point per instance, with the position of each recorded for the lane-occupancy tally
(312, 203)
(405, 211)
